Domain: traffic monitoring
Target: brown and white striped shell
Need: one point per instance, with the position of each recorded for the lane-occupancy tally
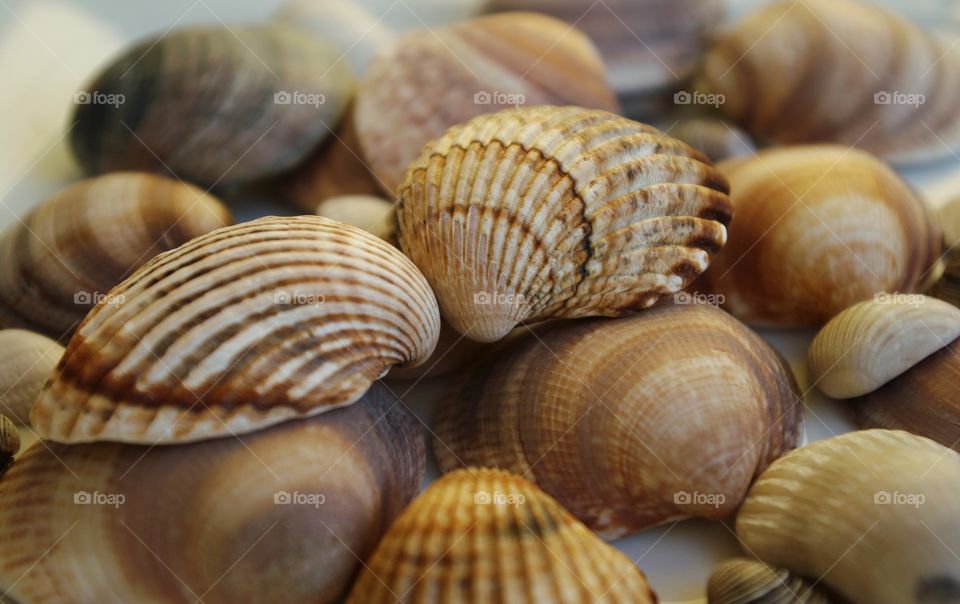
(558, 212)
(281, 515)
(61, 259)
(27, 360)
(817, 229)
(430, 80)
(744, 581)
(481, 536)
(839, 71)
(632, 422)
(240, 329)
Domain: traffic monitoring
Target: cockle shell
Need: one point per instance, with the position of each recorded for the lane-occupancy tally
(480, 536)
(816, 230)
(27, 360)
(237, 330)
(282, 515)
(717, 139)
(214, 105)
(839, 71)
(374, 215)
(431, 80)
(871, 514)
(743, 581)
(61, 259)
(598, 413)
(9, 442)
(558, 212)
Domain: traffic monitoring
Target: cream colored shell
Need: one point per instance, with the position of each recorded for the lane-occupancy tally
(375, 215)
(27, 360)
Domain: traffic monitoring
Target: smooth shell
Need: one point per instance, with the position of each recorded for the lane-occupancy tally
(486, 536)
(717, 139)
(558, 212)
(9, 442)
(632, 422)
(62, 258)
(375, 215)
(816, 230)
(214, 105)
(27, 360)
(873, 514)
(743, 581)
(283, 515)
(237, 330)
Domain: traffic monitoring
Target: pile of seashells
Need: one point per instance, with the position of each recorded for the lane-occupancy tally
(483, 206)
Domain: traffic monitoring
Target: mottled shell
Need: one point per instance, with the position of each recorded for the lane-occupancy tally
(27, 360)
(62, 258)
(743, 581)
(816, 230)
(215, 105)
(872, 342)
(433, 79)
(600, 414)
(717, 139)
(558, 212)
(9, 442)
(374, 215)
(483, 536)
(283, 515)
(873, 514)
(237, 330)
(839, 71)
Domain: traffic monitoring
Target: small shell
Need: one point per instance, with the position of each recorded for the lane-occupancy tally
(816, 230)
(9, 443)
(743, 581)
(873, 514)
(374, 215)
(598, 414)
(214, 105)
(558, 212)
(872, 342)
(718, 140)
(64, 257)
(285, 515)
(480, 536)
(431, 80)
(240, 329)
(27, 360)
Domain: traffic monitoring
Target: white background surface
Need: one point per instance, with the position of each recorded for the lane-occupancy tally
(49, 48)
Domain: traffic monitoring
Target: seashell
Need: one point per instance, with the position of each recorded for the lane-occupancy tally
(453, 353)
(26, 362)
(214, 105)
(839, 71)
(597, 414)
(717, 139)
(431, 80)
(816, 230)
(743, 581)
(600, 216)
(374, 215)
(488, 536)
(946, 284)
(9, 442)
(871, 513)
(872, 342)
(240, 329)
(285, 515)
(64, 256)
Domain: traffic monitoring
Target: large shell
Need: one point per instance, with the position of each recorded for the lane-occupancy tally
(240, 329)
(27, 360)
(542, 212)
(839, 71)
(64, 257)
(818, 229)
(630, 422)
(873, 514)
(742, 581)
(431, 80)
(215, 105)
(481, 536)
(283, 515)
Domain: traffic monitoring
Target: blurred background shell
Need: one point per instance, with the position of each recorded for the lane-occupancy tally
(27, 361)
(717, 139)
(214, 105)
(283, 515)
(628, 422)
(374, 215)
(744, 581)
(946, 283)
(63, 257)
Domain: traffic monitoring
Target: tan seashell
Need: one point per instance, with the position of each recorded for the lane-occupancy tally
(597, 414)
(63, 257)
(374, 215)
(27, 360)
(872, 342)
(284, 515)
(839, 71)
(240, 329)
(9, 442)
(558, 212)
(717, 139)
(872, 514)
(214, 105)
(743, 581)
(816, 230)
(479, 536)
(431, 80)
